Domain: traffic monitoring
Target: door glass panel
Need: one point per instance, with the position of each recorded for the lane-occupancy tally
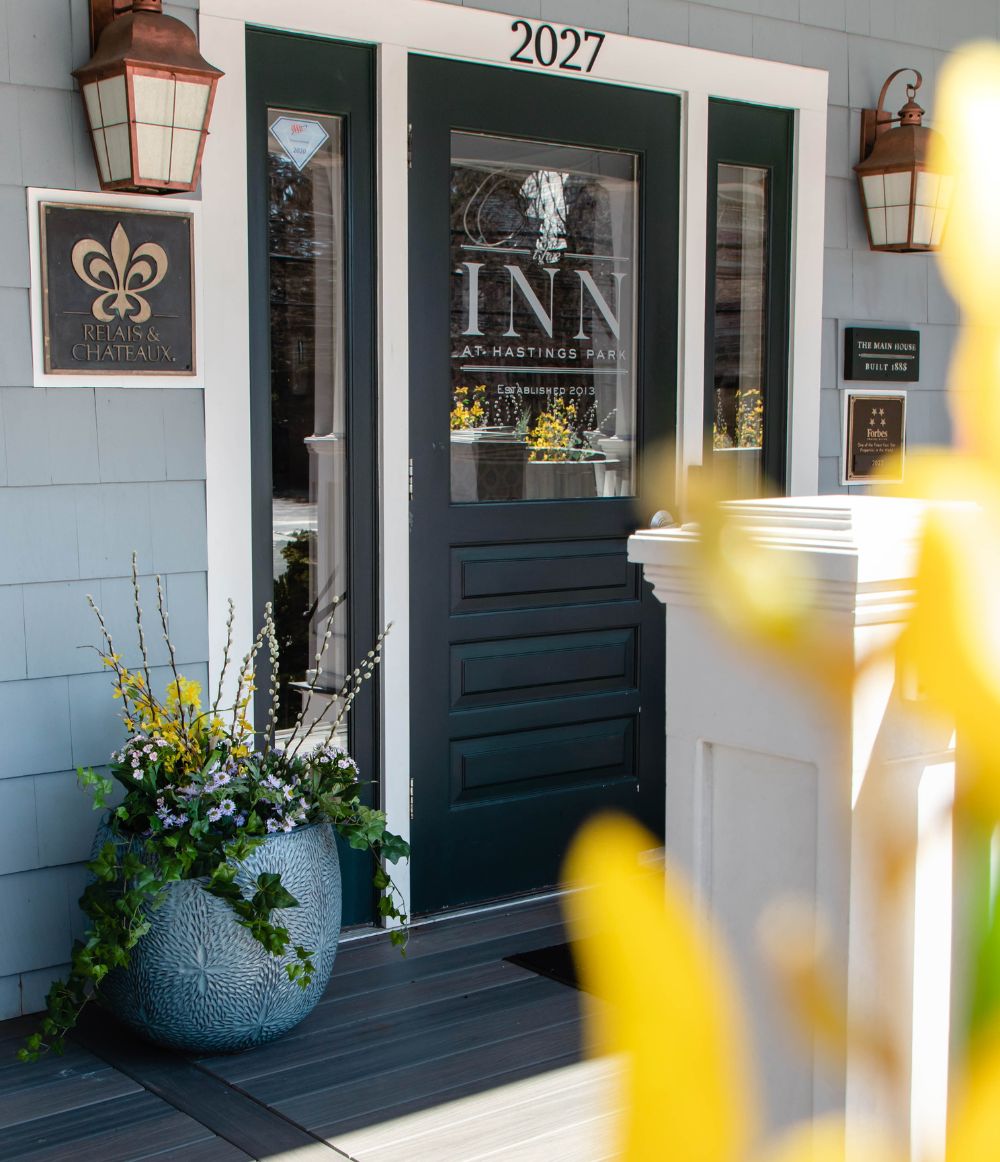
(543, 316)
(740, 326)
(308, 449)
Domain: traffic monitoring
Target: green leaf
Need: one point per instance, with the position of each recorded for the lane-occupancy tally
(271, 893)
(398, 937)
(985, 923)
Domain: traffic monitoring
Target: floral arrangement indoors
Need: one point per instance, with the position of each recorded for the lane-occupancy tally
(468, 411)
(554, 434)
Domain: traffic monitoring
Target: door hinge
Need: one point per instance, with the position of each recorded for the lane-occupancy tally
(409, 146)
(411, 800)
(411, 480)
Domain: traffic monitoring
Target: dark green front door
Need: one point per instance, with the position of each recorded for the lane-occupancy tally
(543, 354)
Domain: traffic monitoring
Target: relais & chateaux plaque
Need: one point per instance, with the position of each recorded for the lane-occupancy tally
(876, 432)
(117, 290)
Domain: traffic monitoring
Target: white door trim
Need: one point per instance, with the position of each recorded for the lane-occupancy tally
(398, 27)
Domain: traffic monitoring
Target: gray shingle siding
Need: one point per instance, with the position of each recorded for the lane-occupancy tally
(86, 476)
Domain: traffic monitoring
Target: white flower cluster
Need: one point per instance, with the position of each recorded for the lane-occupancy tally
(225, 809)
(168, 817)
(137, 752)
(220, 776)
(332, 755)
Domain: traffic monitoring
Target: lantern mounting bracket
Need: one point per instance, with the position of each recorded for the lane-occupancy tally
(102, 12)
(874, 122)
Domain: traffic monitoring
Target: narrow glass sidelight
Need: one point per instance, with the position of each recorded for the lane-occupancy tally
(543, 317)
(308, 406)
(740, 332)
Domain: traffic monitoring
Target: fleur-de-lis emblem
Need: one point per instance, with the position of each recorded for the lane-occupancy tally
(122, 275)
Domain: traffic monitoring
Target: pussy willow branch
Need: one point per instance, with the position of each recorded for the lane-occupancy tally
(225, 656)
(246, 668)
(356, 680)
(274, 698)
(138, 621)
(165, 622)
(110, 655)
(292, 751)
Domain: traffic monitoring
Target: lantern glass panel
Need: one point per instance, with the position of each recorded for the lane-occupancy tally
(943, 205)
(154, 99)
(93, 103)
(897, 225)
(897, 188)
(874, 188)
(876, 225)
(119, 152)
(923, 225)
(184, 155)
(928, 188)
(153, 144)
(101, 151)
(191, 104)
(113, 100)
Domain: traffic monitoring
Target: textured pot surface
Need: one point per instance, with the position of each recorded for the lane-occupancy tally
(199, 982)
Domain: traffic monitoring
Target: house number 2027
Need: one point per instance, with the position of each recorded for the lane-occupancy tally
(542, 45)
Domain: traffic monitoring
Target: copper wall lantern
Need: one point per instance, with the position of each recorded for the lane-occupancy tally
(148, 93)
(905, 203)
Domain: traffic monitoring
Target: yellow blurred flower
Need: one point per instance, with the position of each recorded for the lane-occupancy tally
(667, 1006)
(666, 996)
(684, 1083)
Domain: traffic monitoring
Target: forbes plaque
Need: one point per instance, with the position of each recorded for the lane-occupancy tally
(875, 438)
(117, 290)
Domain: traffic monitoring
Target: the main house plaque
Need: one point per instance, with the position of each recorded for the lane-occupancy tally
(117, 290)
(876, 426)
(882, 353)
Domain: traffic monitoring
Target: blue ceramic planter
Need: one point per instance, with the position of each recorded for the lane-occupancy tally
(199, 982)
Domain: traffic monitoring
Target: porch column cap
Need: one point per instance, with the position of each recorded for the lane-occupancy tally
(857, 554)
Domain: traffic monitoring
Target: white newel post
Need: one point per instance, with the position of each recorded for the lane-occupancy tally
(772, 789)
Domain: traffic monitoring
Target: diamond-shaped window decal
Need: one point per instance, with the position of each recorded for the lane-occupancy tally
(301, 140)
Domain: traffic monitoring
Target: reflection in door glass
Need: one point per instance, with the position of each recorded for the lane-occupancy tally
(740, 326)
(543, 249)
(308, 452)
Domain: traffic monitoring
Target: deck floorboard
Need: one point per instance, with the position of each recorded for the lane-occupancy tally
(450, 1054)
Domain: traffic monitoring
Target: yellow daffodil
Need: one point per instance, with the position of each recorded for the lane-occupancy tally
(677, 1025)
(667, 1007)
(767, 598)
(554, 433)
(952, 644)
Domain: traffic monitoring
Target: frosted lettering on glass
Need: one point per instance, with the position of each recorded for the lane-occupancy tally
(543, 317)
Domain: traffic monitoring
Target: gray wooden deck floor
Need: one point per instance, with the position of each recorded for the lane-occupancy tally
(450, 1055)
